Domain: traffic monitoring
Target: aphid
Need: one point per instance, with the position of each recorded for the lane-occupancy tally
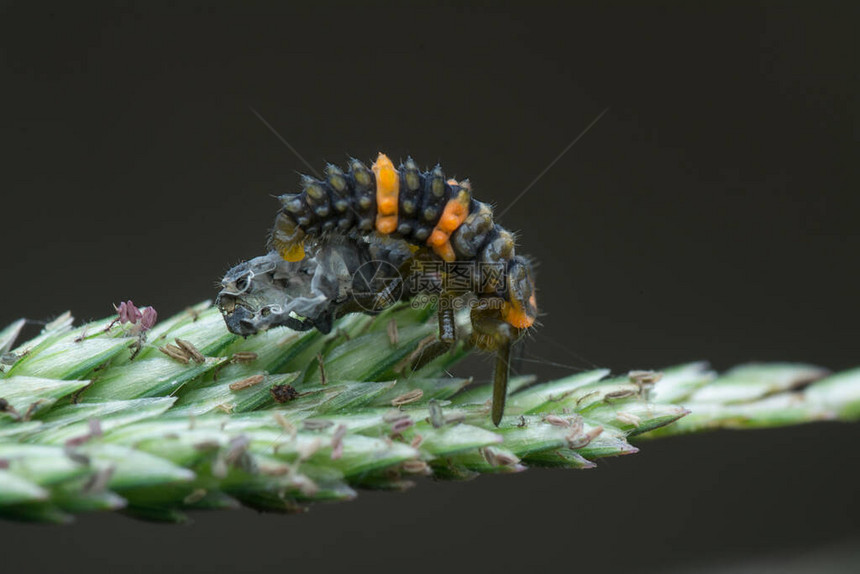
(437, 419)
(578, 439)
(645, 380)
(401, 232)
(393, 416)
(556, 420)
(175, 352)
(393, 334)
(401, 425)
(247, 382)
(321, 363)
(243, 357)
(237, 453)
(495, 457)
(191, 351)
(316, 424)
(619, 395)
(337, 442)
(628, 418)
(407, 398)
(142, 320)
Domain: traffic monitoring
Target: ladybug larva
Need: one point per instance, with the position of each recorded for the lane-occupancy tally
(419, 232)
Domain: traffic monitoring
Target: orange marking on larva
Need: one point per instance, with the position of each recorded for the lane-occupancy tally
(387, 205)
(293, 253)
(387, 192)
(455, 213)
(446, 252)
(386, 223)
(437, 238)
(517, 317)
(449, 222)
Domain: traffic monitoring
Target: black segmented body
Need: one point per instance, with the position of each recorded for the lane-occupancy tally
(347, 201)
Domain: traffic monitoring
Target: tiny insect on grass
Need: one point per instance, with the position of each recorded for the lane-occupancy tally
(247, 383)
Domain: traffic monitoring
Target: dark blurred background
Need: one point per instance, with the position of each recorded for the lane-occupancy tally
(710, 214)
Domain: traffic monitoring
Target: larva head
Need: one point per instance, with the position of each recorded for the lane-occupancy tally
(520, 309)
